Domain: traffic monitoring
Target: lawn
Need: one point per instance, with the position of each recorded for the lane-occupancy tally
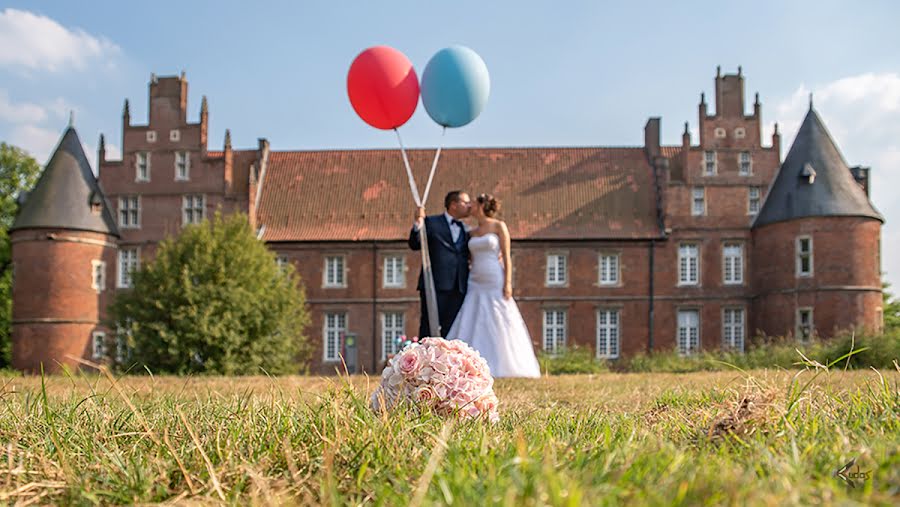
(769, 437)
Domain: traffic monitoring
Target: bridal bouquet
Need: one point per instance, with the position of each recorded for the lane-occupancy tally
(446, 376)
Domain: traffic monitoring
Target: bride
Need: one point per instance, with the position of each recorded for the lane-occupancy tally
(489, 319)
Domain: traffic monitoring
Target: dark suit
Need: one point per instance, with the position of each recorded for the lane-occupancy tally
(450, 267)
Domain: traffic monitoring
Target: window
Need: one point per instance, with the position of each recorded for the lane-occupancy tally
(740, 133)
(128, 263)
(688, 332)
(804, 324)
(752, 200)
(142, 166)
(334, 271)
(698, 200)
(282, 263)
(720, 133)
(99, 345)
(554, 331)
(151, 136)
(182, 165)
(193, 209)
(556, 269)
(608, 334)
(688, 264)
(394, 271)
(129, 212)
(391, 330)
(745, 168)
(709, 163)
(733, 329)
(98, 275)
(609, 269)
(804, 256)
(174, 135)
(733, 263)
(335, 328)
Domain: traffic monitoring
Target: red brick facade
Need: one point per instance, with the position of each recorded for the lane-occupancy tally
(622, 242)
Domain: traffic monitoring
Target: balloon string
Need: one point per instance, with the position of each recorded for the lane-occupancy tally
(412, 181)
(434, 166)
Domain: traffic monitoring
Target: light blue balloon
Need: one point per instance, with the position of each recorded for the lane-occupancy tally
(455, 86)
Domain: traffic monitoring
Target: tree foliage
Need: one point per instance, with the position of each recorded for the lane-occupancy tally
(891, 309)
(214, 301)
(18, 172)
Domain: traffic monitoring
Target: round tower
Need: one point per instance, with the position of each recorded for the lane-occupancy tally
(816, 244)
(63, 253)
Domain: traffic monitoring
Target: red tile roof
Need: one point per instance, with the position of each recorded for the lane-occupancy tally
(546, 193)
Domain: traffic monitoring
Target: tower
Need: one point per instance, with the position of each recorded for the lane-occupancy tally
(63, 253)
(816, 241)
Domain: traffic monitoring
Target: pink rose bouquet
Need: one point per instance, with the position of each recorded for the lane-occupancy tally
(448, 377)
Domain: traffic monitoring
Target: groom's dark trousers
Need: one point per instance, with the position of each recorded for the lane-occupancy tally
(450, 266)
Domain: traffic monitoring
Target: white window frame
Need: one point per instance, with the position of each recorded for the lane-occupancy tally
(392, 328)
(736, 263)
(749, 164)
(609, 332)
(137, 166)
(331, 335)
(98, 345)
(393, 273)
(122, 348)
(98, 275)
(338, 276)
(799, 254)
(282, 262)
(707, 162)
(798, 329)
(685, 256)
(187, 165)
(174, 135)
(557, 266)
(123, 277)
(151, 136)
(609, 263)
(555, 334)
(130, 212)
(686, 344)
(754, 200)
(734, 330)
(190, 208)
(698, 195)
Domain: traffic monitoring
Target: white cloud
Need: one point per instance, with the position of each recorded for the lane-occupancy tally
(37, 141)
(37, 43)
(863, 115)
(20, 113)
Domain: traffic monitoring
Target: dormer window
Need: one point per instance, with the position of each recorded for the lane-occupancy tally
(96, 204)
(808, 173)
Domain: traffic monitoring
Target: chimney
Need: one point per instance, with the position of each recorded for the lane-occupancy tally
(204, 123)
(101, 151)
(229, 162)
(651, 139)
(730, 95)
(776, 142)
(861, 175)
(686, 137)
(168, 100)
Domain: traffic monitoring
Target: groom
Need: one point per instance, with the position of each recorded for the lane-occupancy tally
(448, 248)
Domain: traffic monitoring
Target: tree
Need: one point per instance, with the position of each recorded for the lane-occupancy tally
(890, 309)
(214, 300)
(18, 172)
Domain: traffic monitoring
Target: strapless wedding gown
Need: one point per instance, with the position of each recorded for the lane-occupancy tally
(487, 321)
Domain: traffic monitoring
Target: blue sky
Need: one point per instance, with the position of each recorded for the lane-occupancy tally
(562, 73)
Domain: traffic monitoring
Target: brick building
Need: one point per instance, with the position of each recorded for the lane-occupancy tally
(618, 249)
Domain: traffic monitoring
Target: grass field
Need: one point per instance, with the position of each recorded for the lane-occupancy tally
(762, 437)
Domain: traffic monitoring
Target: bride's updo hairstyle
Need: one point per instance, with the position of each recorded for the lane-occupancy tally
(489, 205)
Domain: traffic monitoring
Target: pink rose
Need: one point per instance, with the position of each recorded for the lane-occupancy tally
(409, 363)
(425, 394)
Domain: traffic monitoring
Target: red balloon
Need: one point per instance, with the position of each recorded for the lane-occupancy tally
(383, 87)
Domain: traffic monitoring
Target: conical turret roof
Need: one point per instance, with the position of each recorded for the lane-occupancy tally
(67, 194)
(814, 181)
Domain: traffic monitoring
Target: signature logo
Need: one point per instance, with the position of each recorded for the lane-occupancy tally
(850, 476)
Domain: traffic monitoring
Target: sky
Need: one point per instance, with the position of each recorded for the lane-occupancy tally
(562, 73)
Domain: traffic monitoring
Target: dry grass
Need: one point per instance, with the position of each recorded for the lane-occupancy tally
(770, 437)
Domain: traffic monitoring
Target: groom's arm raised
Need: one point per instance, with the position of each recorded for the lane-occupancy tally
(414, 242)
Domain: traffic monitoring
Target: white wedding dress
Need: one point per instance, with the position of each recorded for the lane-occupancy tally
(490, 323)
